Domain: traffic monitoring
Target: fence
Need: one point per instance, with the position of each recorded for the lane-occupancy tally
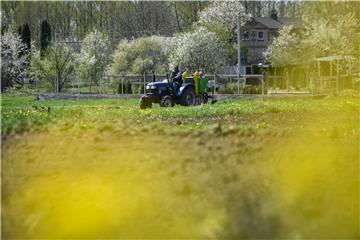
(218, 83)
(136, 84)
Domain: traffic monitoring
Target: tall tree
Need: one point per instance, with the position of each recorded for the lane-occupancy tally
(45, 37)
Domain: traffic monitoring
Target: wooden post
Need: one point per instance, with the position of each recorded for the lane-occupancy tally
(144, 81)
(337, 76)
(275, 78)
(319, 77)
(122, 85)
(214, 83)
(287, 82)
(331, 71)
(36, 86)
(100, 85)
(238, 83)
(262, 85)
(78, 85)
(57, 83)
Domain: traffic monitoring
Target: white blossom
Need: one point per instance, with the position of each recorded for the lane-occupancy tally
(224, 12)
(14, 55)
(95, 56)
(198, 49)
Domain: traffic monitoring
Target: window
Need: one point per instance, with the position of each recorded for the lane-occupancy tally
(246, 35)
(260, 35)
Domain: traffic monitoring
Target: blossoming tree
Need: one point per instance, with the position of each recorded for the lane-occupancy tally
(14, 55)
(198, 49)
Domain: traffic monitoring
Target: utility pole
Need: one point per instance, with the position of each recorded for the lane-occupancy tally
(239, 52)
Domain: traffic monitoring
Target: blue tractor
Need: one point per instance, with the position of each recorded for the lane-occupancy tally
(174, 91)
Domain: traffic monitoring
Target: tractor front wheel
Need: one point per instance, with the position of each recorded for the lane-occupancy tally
(167, 101)
(145, 102)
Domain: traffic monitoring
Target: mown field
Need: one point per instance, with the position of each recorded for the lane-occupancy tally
(278, 168)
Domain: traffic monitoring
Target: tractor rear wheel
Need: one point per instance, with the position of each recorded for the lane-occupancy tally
(167, 101)
(204, 98)
(145, 102)
(188, 97)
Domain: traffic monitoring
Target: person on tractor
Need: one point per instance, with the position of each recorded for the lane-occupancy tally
(201, 73)
(175, 75)
(196, 81)
(185, 74)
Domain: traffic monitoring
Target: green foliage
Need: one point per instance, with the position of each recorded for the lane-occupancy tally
(285, 49)
(140, 56)
(224, 38)
(19, 109)
(335, 32)
(56, 66)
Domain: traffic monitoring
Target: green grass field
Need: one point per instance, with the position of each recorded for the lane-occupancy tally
(239, 169)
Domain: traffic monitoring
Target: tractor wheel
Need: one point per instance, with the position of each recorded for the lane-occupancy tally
(145, 102)
(205, 98)
(167, 101)
(188, 97)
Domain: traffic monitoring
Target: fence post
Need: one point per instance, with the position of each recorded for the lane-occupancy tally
(122, 85)
(57, 83)
(287, 82)
(214, 83)
(337, 76)
(144, 81)
(78, 85)
(238, 85)
(37, 87)
(100, 85)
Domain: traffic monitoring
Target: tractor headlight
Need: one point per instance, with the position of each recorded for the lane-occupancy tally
(147, 87)
(153, 87)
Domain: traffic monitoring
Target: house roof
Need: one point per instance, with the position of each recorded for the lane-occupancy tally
(276, 24)
(268, 22)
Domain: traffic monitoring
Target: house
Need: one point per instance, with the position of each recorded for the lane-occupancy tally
(257, 35)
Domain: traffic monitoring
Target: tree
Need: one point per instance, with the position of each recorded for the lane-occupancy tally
(143, 55)
(45, 37)
(225, 13)
(25, 35)
(220, 17)
(55, 68)
(198, 49)
(285, 49)
(14, 55)
(320, 38)
(94, 57)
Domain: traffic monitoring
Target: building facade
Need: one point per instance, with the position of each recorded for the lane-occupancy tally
(258, 33)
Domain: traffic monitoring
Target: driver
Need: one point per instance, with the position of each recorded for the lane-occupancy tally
(175, 75)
